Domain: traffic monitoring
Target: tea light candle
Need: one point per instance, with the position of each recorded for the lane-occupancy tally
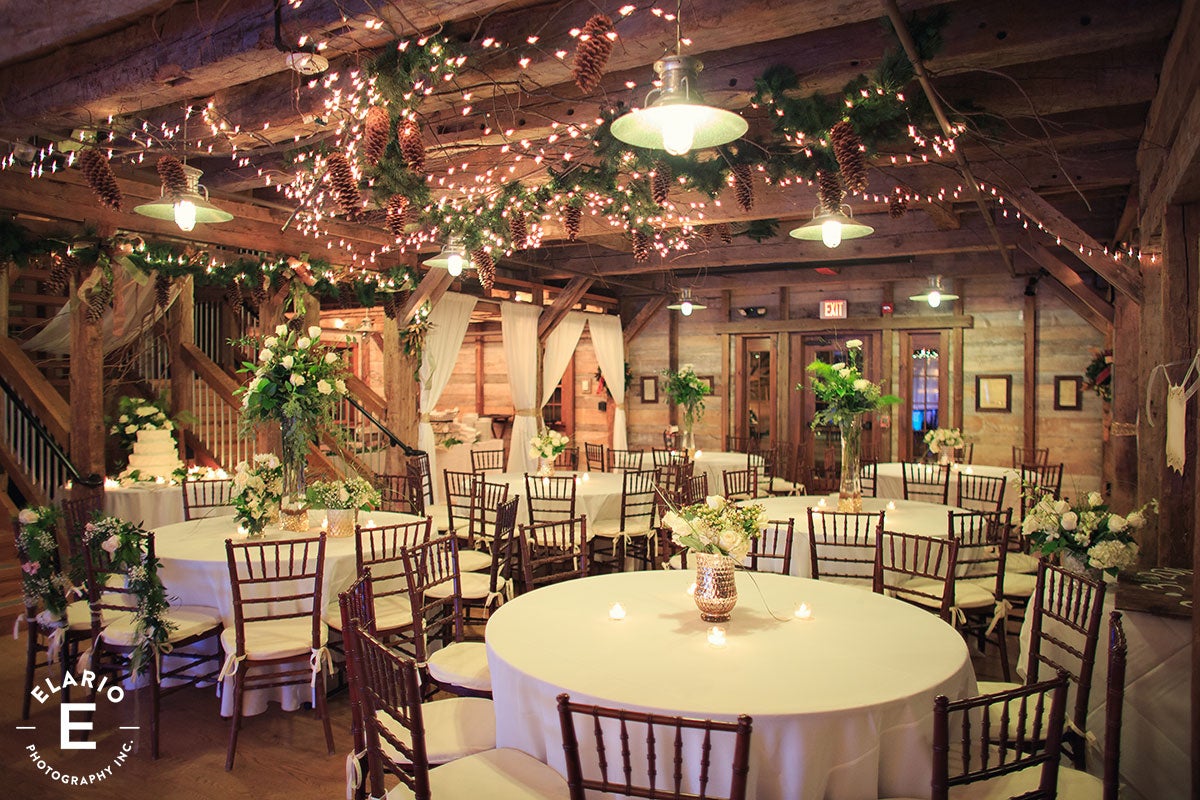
(160, 480)
(804, 611)
(585, 476)
(716, 636)
(691, 589)
(821, 503)
(222, 474)
(111, 483)
(891, 506)
(241, 529)
(970, 471)
(617, 612)
(370, 522)
(699, 453)
(325, 523)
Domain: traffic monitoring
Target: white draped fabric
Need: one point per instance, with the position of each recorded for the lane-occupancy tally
(560, 346)
(519, 324)
(609, 342)
(448, 325)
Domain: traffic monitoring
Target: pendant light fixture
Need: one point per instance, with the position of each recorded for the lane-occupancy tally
(675, 117)
(453, 258)
(685, 304)
(189, 208)
(935, 294)
(832, 227)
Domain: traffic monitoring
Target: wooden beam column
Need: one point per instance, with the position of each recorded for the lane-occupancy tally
(401, 393)
(86, 390)
(1126, 402)
(181, 329)
(1030, 392)
(268, 438)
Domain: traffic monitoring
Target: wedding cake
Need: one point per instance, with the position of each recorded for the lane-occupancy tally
(154, 454)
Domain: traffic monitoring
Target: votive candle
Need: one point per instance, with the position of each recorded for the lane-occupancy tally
(617, 612)
(716, 636)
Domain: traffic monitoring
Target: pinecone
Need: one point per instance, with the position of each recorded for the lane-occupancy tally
(397, 214)
(898, 207)
(376, 130)
(518, 230)
(99, 300)
(743, 186)
(411, 146)
(641, 247)
(829, 191)
(848, 150)
(660, 183)
(100, 178)
(162, 290)
(341, 178)
(391, 305)
(725, 234)
(60, 274)
(706, 232)
(486, 267)
(572, 218)
(595, 46)
(258, 294)
(174, 179)
(296, 323)
(233, 293)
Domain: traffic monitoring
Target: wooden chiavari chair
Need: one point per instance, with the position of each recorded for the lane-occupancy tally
(491, 459)
(696, 490)
(868, 478)
(77, 513)
(672, 480)
(740, 444)
(381, 551)
(396, 726)
(841, 546)
(764, 461)
(277, 605)
(1029, 455)
(400, 494)
(982, 538)
(981, 492)
(665, 458)
(740, 484)
(485, 591)
(917, 569)
(417, 466)
(788, 478)
(967, 453)
(632, 535)
(568, 459)
(207, 498)
(594, 454)
(927, 482)
(666, 742)
(772, 550)
(1037, 481)
(552, 552)
(549, 498)
(625, 460)
(356, 608)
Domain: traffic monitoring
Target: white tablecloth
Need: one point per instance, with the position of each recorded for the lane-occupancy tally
(458, 459)
(715, 463)
(907, 516)
(597, 494)
(1155, 727)
(890, 482)
(149, 505)
(195, 571)
(841, 704)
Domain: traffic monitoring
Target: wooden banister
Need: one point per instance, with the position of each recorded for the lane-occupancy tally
(38, 393)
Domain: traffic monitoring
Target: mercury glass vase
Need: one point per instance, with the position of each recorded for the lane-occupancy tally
(716, 591)
(341, 521)
(850, 488)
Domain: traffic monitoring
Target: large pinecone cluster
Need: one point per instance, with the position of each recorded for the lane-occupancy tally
(99, 176)
(829, 191)
(572, 219)
(898, 206)
(411, 146)
(162, 290)
(345, 189)
(591, 55)
(518, 229)
(397, 214)
(174, 179)
(848, 150)
(660, 183)
(376, 130)
(743, 186)
(486, 267)
(641, 247)
(99, 300)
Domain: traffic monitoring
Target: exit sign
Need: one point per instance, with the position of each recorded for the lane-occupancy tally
(833, 309)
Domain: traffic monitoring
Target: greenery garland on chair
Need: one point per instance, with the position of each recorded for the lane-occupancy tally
(43, 584)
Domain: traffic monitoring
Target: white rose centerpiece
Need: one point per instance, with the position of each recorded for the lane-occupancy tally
(1087, 532)
(942, 442)
(342, 500)
(547, 446)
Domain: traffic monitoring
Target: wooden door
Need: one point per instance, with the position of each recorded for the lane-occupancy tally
(754, 409)
(924, 384)
(822, 446)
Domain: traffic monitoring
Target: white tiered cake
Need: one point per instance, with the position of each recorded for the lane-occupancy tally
(154, 454)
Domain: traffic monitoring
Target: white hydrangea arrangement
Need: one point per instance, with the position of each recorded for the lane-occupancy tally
(716, 526)
(352, 493)
(547, 444)
(1087, 530)
(257, 490)
(944, 438)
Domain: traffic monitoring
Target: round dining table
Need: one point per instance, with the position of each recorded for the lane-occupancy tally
(907, 516)
(715, 463)
(889, 481)
(597, 494)
(148, 504)
(841, 702)
(195, 571)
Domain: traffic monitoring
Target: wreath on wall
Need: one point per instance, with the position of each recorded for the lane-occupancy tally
(1097, 376)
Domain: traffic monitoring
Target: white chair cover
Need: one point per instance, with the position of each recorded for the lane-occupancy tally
(518, 325)
(448, 326)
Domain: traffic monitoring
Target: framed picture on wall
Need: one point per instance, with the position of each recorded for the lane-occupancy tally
(993, 393)
(1068, 393)
(649, 389)
(709, 381)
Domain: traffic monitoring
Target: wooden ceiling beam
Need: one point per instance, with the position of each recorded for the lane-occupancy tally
(44, 27)
(643, 317)
(434, 284)
(1069, 279)
(1073, 301)
(557, 311)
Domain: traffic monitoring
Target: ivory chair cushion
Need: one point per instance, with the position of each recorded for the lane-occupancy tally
(475, 586)
(966, 594)
(504, 774)
(1021, 562)
(391, 611)
(454, 728)
(79, 616)
(474, 561)
(275, 638)
(462, 664)
(611, 528)
(188, 621)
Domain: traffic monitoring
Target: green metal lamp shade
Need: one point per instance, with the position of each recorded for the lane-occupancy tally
(164, 208)
(814, 230)
(679, 127)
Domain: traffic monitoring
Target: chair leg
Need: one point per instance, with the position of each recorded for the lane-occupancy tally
(323, 711)
(235, 721)
(30, 666)
(1002, 640)
(154, 698)
(64, 661)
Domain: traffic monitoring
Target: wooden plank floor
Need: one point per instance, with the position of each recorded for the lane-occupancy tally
(280, 754)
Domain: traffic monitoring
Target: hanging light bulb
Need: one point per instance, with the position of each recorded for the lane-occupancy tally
(935, 294)
(831, 227)
(185, 214)
(454, 264)
(189, 208)
(685, 308)
(452, 258)
(676, 118)
(685, 304)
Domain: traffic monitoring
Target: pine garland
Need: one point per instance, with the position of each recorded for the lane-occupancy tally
(851, 157)
(660, 183)
(345, 188)
(174, 179)
(377, 130)
(518, 229)
(100, 178)
(591, 55)
(743, 186)
(411, 146)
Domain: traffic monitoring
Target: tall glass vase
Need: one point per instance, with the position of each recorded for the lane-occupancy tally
(294, 505)
(687, 438)
(850, 488)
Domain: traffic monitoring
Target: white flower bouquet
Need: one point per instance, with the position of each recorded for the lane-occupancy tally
(257, 490)
(944, 438)
(716, 526)
(353, 493)
(547, 444)
(1088, 531)
(843, 389)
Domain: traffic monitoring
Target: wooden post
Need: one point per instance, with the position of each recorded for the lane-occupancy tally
(1030, 393)
(479, 373)
(886, 381)
(401, 393)
(268, 438)
(181, 328)
(1126, 402)
(86, 392)
(1151, 441)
